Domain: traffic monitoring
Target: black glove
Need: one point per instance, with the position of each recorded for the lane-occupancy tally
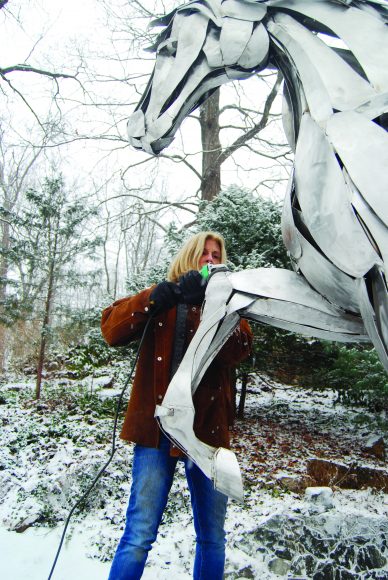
(164, 296)
(192, 286)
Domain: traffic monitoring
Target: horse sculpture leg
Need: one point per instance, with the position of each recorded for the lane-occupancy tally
(281, 298)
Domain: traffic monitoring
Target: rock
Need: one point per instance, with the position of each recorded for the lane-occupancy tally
(325, 573)
(370, 557)
(246, 572)
(107, 383)
(329, 473)
(26, 523)
(375, 446)
(322, 496)
(295, 483)
(344, 555)
(279, 566)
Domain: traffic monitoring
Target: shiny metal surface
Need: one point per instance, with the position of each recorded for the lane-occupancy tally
(368, 162)
(334, 55)
(323, 198)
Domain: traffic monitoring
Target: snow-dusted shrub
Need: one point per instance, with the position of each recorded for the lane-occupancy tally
(250, 225)
(359, 377)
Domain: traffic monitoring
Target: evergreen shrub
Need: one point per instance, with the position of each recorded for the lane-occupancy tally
(358, 376)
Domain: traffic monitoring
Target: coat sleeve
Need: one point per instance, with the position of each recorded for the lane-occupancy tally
(125, 319)
(238, 346)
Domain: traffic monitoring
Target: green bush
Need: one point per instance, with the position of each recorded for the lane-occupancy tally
(358, 376)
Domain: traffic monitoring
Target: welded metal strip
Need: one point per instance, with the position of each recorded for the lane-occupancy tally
(280, 284)
(365, 35)
(327, 279)
(375, 107)
(212, 49)
(234, 38)
(252, 11)
(255, 54)
(209, 9)
(374, 227)
(323, 198)
(369, 318)
(304, 329)
(344, 86)
(292, 313)
(380, 302)
(288, 117)
(191, 35)
(317, 97)
(363, 148)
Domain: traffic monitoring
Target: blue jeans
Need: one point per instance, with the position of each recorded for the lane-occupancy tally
(152, 475)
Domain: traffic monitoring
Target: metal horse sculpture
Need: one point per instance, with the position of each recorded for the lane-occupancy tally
(335, 210)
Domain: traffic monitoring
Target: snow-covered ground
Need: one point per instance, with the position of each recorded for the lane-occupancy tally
(52, 449)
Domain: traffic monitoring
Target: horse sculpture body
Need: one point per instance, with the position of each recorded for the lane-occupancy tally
(335, 211)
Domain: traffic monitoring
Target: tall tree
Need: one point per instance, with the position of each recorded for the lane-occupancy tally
(48, 240)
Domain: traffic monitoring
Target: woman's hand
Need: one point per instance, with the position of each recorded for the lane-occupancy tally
(164, 296)
(189, 290)
(192, 286)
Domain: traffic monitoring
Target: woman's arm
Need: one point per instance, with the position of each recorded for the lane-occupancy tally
(126, 318)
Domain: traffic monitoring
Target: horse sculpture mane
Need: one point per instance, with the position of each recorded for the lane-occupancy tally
(335, 213)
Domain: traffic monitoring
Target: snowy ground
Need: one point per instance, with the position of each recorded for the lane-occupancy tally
(50, 451)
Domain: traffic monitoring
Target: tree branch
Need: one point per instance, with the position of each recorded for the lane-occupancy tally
(28, 68)
(258, 127)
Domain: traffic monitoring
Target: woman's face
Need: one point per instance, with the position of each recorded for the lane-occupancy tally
(211, 253)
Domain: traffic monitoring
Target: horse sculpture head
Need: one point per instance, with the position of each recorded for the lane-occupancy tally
(203, 45)
(335, 115)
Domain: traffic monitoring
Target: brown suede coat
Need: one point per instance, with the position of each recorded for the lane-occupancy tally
(124, 321)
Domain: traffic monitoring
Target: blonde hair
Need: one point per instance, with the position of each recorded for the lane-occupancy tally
(190, 254)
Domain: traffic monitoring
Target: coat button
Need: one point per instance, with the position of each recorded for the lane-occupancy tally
(146, 308)
(160, 323)
(213, 431)
(160, 397)
(159, 358)
(194, 309)
(212, 398)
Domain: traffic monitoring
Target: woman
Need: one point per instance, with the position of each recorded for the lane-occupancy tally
(174, 306)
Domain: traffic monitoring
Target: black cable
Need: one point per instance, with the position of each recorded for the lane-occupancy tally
(113, 450)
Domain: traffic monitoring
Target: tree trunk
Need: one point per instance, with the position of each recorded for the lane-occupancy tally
(241, 404)
(4, 265)
(45, 329)
(211, 147)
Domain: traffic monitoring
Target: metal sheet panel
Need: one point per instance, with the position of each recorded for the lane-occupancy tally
(369, 318)
(170, 71)
(290, 238)
(212, 48)
(256, 51)
(317, 97)
(282, 285)
(365, 35)
(375, 227)
(322, 195)
(323, 276)
(345, 87)
(304, 329)
(290, 312)
(235, 36)
(363, 148)
(241, 10)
